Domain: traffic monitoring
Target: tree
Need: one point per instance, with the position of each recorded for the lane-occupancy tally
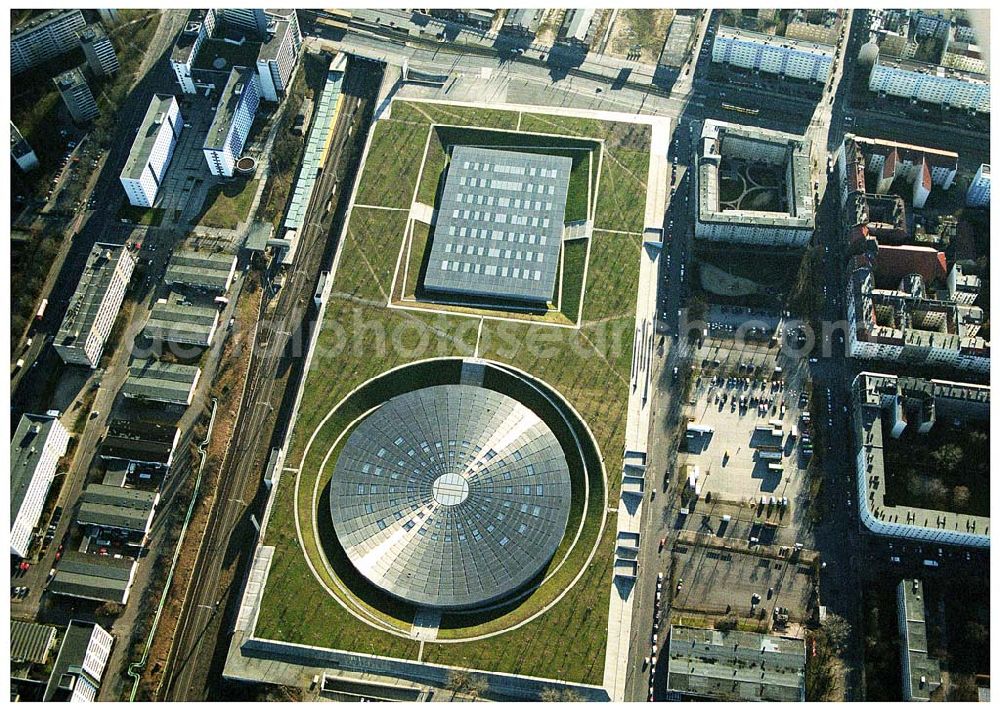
(838, 632)
(960, 497)
(109, 609)
(948, 457)
(559, 695)
(462, 681)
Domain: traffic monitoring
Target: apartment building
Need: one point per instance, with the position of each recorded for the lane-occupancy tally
(231, 126)
(43, 38)
(921, 673)
(94, 306)
(76, 94)
(933, 84)
(904, 322)
(786, 155)
(774, 55)
(99, 51)
(152, 150)
(978, 194)
(278, 55)
(868, 165)
(21, 151)
(884, 407)
(38, 444)
(199, 26)
(79, 667)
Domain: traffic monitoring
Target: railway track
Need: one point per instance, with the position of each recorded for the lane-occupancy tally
(201, 639)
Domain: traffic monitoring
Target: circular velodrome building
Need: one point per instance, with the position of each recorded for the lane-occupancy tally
(450, 497)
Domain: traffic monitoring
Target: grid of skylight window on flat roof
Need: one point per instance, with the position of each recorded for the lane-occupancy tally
(500, 224)
(450, 496)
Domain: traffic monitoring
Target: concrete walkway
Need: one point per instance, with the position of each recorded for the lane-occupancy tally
(621, 601)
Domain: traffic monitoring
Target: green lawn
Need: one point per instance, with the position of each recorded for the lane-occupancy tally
(227, 204)
(574, 264)
(361, 338)
(393, 162)
(140, 215)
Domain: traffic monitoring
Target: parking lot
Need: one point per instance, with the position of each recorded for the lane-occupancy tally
(715, 581)
(748, 400)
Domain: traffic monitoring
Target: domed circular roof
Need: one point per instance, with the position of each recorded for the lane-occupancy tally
(450, 496)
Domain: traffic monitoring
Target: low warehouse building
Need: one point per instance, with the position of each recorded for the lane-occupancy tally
(208, 271)
(111, 507)
(94, 578)
(157, 381)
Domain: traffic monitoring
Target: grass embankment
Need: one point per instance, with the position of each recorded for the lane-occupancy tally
(360, 338)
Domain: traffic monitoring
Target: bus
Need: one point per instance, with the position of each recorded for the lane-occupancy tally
(741, 110)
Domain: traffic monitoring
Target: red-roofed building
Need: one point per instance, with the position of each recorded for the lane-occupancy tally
(894, 263)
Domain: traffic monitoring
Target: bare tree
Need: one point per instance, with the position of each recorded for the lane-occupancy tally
(838, 632)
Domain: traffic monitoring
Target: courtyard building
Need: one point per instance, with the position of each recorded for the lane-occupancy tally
(896, 422)
(753, 186)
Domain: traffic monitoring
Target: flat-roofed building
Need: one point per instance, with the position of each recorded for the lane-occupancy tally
(978, 194)
(152, 150)
(120, 508)
(30, 643)
(576, 26)
(781, 56)
(523, 21)
(886, 406)
(174, 322)
(790, 223)
(921, 673)
(279, 54)
(39, 442)
(198, 269)
(199, 26)
(93, 578)
(44, 37)
(21, 151)
(141, 442)
(735, 666)
(99, 51)
(933, 84)
(95, 304)
(233, 118)
(156, 381)
(79, 667)
(76, 94)
(500, 225)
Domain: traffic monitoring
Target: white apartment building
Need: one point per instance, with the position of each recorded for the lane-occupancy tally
(775, 55)
(152, 150)
(38, 444)
(915, 403)
(931, 84)
(44, 37)
(279, 55)
(199, 26)
(921, 673)
(233, 119)
(978, 194)
(94, 306)
(79, 668)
